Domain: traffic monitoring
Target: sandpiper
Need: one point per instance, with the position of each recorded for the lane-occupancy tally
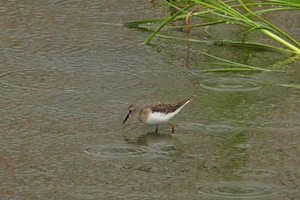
(157, 113)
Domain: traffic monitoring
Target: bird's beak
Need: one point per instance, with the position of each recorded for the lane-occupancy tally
(127, 116)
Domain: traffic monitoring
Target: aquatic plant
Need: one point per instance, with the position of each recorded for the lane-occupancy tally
(235, 12)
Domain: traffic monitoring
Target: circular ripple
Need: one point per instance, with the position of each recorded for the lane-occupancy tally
(164, 151)
(281, 125)
(219, 128)
(214, 128)
(238, 190)
(237, 84)
(115, 151)
(256, 173)
(191, 126)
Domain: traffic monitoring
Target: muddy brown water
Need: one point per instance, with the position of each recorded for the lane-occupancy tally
(68, 72)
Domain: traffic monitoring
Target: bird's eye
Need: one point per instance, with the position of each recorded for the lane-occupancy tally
(130, 111)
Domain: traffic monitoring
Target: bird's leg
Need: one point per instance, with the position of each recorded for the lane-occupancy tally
(156, 129)
(173, 127)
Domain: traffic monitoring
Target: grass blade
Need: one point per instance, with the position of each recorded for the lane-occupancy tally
(275, 37)
(147, 40)
(234, 63)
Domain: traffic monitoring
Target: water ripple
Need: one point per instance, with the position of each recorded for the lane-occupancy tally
(232, 84)
(281, 125)
(213, 128)
(256, 173)
(115, 151)
(238, 190)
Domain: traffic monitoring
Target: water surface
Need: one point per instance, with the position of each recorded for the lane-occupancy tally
(70, 69)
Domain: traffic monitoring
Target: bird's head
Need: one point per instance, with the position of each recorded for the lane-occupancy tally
(132, 110)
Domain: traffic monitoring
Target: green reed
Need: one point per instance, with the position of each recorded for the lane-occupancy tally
(235, 12)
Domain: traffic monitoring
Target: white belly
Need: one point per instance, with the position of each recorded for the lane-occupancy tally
(161, 118)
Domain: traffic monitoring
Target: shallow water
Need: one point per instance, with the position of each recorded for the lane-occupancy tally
(68, 72)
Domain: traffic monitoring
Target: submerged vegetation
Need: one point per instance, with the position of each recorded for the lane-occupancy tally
(208, 13)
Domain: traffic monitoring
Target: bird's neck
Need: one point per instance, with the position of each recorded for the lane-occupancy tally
(142, 114)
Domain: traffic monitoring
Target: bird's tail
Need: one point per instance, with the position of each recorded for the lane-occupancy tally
(185, 101)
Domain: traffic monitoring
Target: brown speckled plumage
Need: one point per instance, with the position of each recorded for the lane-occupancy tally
(166, 107)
